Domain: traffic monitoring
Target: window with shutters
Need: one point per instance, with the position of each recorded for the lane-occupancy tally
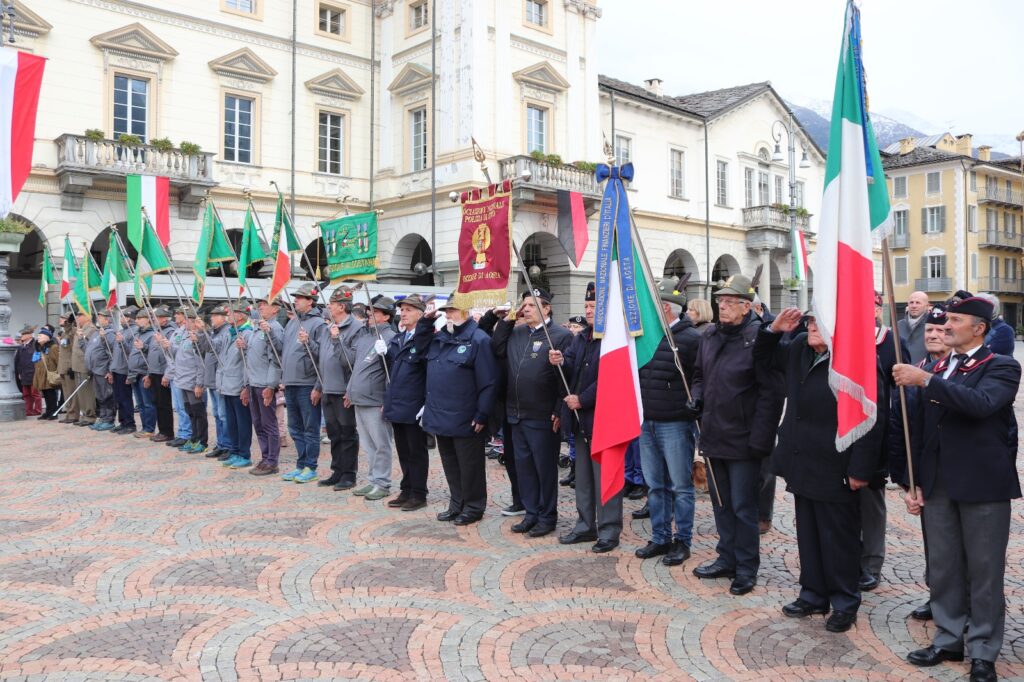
(535, 12)
(1009, 187)
(993, 266)
(899, 187)
(991, 219)
(899, 219)
(780, 197)
(900, 269)
(722, 184)
(974, 181)
(972, 218)
(934, 219)
(762, 189)
(1010, 223)
(935, 267)
(1010, 269)
(974, 266)
(798, 190)
(934, 183)
(748, 187)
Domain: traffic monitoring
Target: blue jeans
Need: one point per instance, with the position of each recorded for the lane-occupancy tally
(237, 427)
(634, 468)
(217, 403)
(147, 406)
(184, 423)
(666, 454)
(303, 425)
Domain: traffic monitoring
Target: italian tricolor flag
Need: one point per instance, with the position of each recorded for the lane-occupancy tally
(799, 256)
(619, 411)
(21, 78)
(148, 192)
(855, 203)
(69, 269)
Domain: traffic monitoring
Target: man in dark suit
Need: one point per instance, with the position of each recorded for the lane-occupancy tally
(966, 433)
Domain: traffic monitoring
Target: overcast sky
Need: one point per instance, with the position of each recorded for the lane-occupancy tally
(957, 64)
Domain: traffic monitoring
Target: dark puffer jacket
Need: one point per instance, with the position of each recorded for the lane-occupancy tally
(661, 387)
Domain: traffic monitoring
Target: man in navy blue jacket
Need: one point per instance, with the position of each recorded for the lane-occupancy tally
(460, 391)
(965, 433)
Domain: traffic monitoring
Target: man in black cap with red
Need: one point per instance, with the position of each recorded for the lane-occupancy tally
(965, 434)
(533, 404)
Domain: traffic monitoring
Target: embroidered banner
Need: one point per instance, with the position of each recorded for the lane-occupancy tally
(351, 245)
(485, 246)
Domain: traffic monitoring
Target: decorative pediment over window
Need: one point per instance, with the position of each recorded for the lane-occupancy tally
(28, 22)
(543, 76)
(411, 77)
(243, 63)
(335, 83)
(136, 40)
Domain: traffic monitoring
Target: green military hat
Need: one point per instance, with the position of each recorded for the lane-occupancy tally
(452, 303)
(668, 290)
(341, 295)
(307, 290)
(190, 313)
(385, 304)
(737, 285)
(241, 307)
(28, 329)
(221, 309)
(413, 301)
(162, 311)
(142, 312)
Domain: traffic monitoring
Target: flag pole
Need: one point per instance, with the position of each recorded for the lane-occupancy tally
(285, 297)
(891, 297)
(92, 307)
(146, 301)
(373, 323)
(672, 345)
(305, 256)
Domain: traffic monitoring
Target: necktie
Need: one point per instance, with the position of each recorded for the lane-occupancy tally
(960, 358)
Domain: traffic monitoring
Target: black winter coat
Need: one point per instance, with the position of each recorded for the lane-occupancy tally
(742, 402)
(24, 367)
(889, 411)
(534, 388)
(661, 387)
(966, 432)
(581, 362)
(806, 454)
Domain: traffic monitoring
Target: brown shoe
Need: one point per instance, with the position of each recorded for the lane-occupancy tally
(263, 469)
(399, 501)
(143, 434)
(414, 503)
(764, 526)
(161, 438)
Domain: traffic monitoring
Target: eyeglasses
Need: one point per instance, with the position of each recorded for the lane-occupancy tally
(731, 302)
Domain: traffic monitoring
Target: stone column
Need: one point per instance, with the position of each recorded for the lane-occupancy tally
(764, 287)
(12, 407)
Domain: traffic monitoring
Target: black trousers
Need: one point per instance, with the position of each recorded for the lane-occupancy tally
(536, 456)
(411, 444)
(463, 463)
(164, 406)
(341, 430)
(739, 542)
(828, 537)
(50, 398)
(510, 462)
(124, 400)
(196, 409)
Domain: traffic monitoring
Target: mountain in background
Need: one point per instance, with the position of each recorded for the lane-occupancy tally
(814, 116)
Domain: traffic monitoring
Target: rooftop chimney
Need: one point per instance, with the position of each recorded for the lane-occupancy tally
(653, 86)
(906, 145)
(963, 144)
(984, 153)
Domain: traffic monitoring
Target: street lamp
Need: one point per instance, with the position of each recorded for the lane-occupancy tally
(7, 9)
(789, 127)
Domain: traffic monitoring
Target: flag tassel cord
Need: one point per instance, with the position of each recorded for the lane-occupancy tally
(635, 231)
(891, 297)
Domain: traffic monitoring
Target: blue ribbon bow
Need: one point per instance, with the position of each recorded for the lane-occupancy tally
(615, 241)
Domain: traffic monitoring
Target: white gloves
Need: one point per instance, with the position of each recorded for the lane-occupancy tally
(380, 347)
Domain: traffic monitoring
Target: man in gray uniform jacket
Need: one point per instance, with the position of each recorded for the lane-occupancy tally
(232, 383)
(302, 339)
(97, 362)
(262, 356)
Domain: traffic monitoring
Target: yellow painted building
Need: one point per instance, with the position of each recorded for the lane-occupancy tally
(959, 221)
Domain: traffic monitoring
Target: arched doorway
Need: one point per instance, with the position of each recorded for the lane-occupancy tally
(101, 245)
(725, 267)
(23, 277)
(548, 266)
(235, 239)
(316, 256)
(412, 255)
(681, 263)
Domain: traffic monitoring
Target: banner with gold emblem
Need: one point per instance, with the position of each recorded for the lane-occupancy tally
(351, 244)
(485, 246)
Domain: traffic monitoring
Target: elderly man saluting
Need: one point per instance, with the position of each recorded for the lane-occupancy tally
(965, 433)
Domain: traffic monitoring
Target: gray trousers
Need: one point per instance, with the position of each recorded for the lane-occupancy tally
(593, 517)
(106, 408)
(966, 564)
(872, 525)
(86, 398)
(375, 437)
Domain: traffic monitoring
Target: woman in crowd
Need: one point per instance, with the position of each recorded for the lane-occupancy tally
(46, 379)
(699, 312)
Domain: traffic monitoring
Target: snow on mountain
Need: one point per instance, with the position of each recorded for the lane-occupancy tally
(814, 116)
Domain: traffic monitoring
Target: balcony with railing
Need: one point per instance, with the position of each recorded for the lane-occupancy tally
(534, 175)
(1001, 285)
(1002, 196)
(82, 160)
(934, 284)
(899, 241)
(999, 239)
(756, 217)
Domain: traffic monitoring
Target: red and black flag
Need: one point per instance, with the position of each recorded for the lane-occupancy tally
(572, 225)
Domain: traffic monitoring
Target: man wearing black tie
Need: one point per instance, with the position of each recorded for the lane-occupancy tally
(966, 433)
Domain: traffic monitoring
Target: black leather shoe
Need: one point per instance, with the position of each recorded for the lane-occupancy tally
(922, 612)
(574, 538)
(638, 492)
(868, 581)
(742, 585)
(344, 484)
(983, 671)
(215, 452)
(933, 655)
(466, 519)
(840, 621)
(602, 546)
(524, 526)
(540, 531)
(330, 480)
(642, 513)
(570, 477)
(175, 443)
(652, 549)
(563, 462)
(677, 554)
(448, 515)
(802, 609)
(714, 570)
(402, 498)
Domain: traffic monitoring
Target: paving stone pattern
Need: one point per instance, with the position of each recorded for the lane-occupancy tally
(123, 560)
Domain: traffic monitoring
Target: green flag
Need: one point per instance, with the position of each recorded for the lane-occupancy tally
(152, 260)
(114, 272)
(281, 218)
(87, 283)
(213, 248)
(351, 244)
(251, 251)
(46, 277)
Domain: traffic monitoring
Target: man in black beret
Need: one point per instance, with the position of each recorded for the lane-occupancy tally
(965, 434)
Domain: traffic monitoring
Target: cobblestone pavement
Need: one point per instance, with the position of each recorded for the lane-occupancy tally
(126, 561)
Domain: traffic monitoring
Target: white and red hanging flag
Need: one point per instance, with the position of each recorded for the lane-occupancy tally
(69, 269)
(855, 203)
(21, 77)
(150, 192)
